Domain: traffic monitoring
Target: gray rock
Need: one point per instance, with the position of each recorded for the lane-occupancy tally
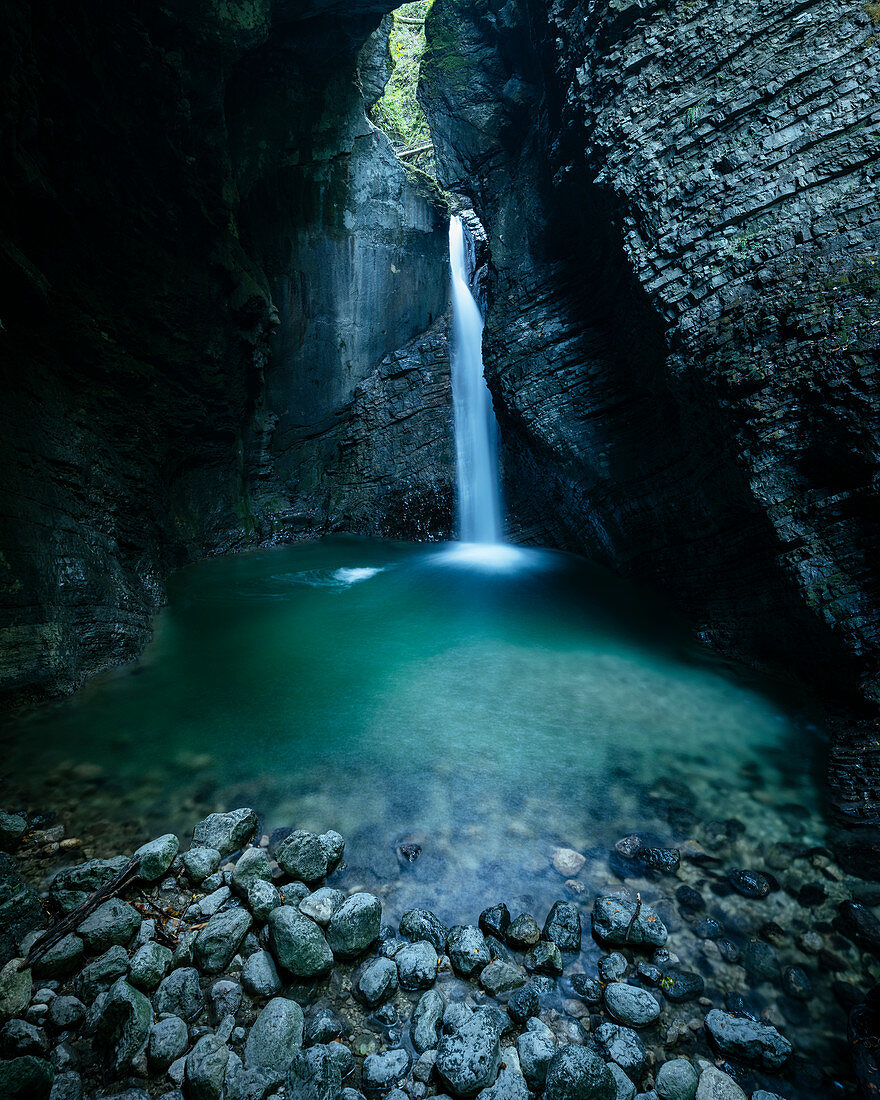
(308, 857)
(351, 1094)
(149, 966)
(323, 1027)
(259, 975)
(563, 926)
(747, 1039)
(100, 974)
(226, 832)
(382, 1071)
(225, 999)
(124, 1025)
(377, 982)
(314, 1075)
(425, 1022)
(12, 827)
(64, 1056)
(113, 922)
(612, 917)
(186, 945)
(199, 863)
(72, 886)
(626, 1090)
(66, 1012)
(630, 1005)
(535, 1047)
(417, 965)
(205, 1068)
(612, 967)
(220, 939)
(676, 1080)
(715, 1085)
(157, 856)
(320, 905)
(467, 950)
(354, 925)
(252, 866)
(16, 984)
(61, 959)
(510, 1083)
(523, 932)
(276, 1038)
(262, 898)
(544, 958)
(19, 1037)
(206, 907)
(298, 944)
(168, 1040)
(422, 924)
(576, 1073)
(501, 977)
(623, 1046)
(67, 1086)
(26, 1078)
(469, 1057)
(180, 994)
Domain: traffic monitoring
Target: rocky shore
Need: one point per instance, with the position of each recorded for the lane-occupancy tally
(232, 969)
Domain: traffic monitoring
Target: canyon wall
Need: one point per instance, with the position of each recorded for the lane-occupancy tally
(225, 311)
(683, 214)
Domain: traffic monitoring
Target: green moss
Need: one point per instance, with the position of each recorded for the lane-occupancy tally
(873, 9)
(397, 111)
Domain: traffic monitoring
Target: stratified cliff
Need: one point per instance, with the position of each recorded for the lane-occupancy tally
(682, 207)
(220, 286)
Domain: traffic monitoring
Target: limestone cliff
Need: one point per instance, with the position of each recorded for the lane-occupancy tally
(682, 207)
(211, 260)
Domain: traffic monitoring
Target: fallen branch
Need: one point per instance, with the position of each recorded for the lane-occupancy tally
(404, 153)
(635, 917)
(74, 919)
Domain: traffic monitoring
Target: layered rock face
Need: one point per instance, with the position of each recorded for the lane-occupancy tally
(682, 209)
(216, 270)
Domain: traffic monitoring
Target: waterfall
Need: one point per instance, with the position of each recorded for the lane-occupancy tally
(479, 494)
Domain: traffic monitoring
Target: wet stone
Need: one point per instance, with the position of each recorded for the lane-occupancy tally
(66, 1012)
(200, 863)
(623, 1046)
(676, 1080)
(422, 924)
(168, 1040)
(501, 977)
(567, 862)
(689, 899)
(563, 926)
(252, 866)
(707, 929)
(180, 994)
(226, 832)
(750, 1040)
(320, 905)
(760, 961)
(612, 967)
(796, 983)
(614, 921)
(425, 1023)
(523, 932)
(535, 1048)
(225, 999)
(114, 922)
(468, 1058)
(544, 958)
(322, 1027)
(666, 861)
(382, 1071)
(308, 857)
(630, 1005)
(715, 1085)
(354, 925)
(417, 965)
(124, 1025)
(100, 974)
(524, 1004)
(25, 1078)
(156, 857)
(262, 898)
(19, 1037)
(298, 944)
(588, 989)
(626, 1090)
(275, 1038)
(219, 940)
(576, 1073)
(681, 985)
(467, 950)
(751, 884)
(859, 925)
(494, 921)
(205, 1068)
(149, 966)
(259, 975)
(377, 982)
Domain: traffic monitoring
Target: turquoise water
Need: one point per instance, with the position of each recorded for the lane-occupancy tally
(489, 711)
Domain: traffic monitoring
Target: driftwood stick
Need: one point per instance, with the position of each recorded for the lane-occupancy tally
(634, 918)
(413, 150)
(75, 918)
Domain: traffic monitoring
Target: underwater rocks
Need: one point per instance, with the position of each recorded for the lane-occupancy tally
(215, 995)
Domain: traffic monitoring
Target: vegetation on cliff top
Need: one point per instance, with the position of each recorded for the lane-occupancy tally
(398, 112)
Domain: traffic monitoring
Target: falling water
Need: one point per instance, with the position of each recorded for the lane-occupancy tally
(479, 497)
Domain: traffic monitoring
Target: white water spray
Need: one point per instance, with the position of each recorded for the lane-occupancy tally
(479, 495)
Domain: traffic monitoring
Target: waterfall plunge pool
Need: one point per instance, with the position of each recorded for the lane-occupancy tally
(492, 702)
(486, 706)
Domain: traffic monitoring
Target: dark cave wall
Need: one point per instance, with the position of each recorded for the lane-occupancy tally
(181, 226)
(682, 207)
